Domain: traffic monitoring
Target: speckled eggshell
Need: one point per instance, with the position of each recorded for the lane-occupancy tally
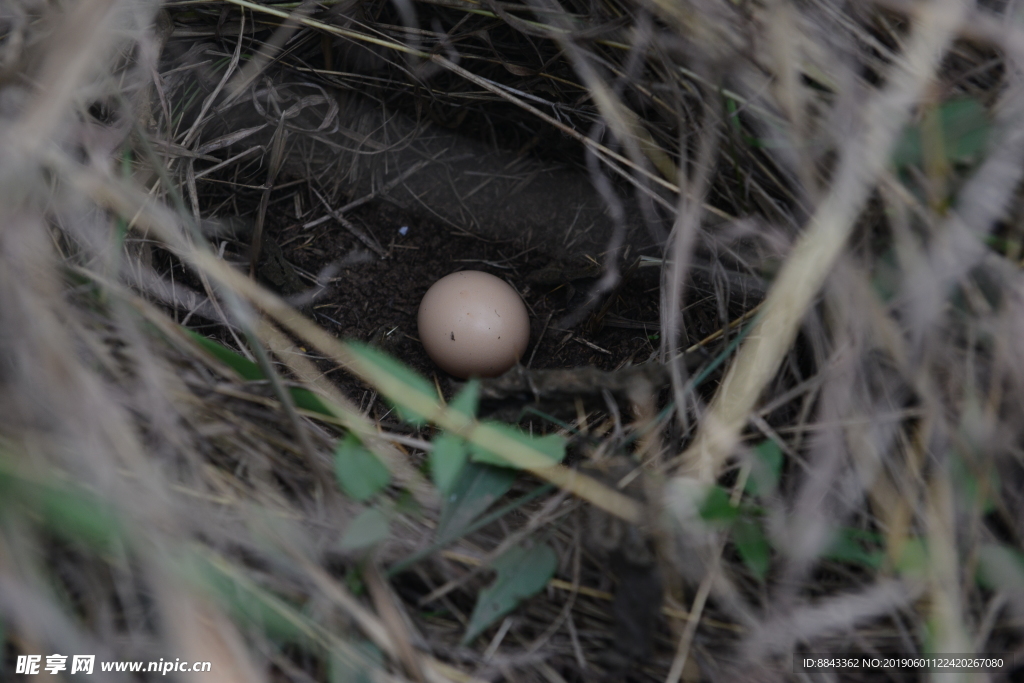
(473, 324)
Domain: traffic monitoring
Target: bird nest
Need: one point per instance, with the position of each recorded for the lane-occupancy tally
(765, 425)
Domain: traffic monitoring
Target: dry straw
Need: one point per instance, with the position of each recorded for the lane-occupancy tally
(834, 466)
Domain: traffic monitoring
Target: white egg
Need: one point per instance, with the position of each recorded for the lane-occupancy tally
(473, 324)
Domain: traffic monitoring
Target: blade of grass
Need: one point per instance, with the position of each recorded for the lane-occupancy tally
(863, 158)
(401, 566)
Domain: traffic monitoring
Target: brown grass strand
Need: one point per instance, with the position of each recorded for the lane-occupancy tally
(812, 257)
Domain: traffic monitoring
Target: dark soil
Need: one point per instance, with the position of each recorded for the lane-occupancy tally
(376, 299)
(350, 290)
(466, 204)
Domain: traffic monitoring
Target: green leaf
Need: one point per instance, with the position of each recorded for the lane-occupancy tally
(752, 546)
(530, 410)
(79, 516)
(468, 400)
(446, 461)
(848, 546)
(342, 670)
(886, 276)
(766, 470)
(405, 504)
(359, 472)
(476, 489)
(978, 490)
(551, 445)
(354, 582)
(250, 604)
(73, 514)
(368, 529)
(307, 400)
(717, 507)
(1001, 568)
(914, 559)
(381, 363)
(247, 369)
(523, 571)
(965, 128)
(491, 517)
(450, 451)
(250, 371)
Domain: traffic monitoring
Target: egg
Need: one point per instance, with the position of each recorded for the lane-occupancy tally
(473, 324)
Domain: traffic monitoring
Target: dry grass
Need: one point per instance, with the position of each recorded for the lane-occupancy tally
(841, 473)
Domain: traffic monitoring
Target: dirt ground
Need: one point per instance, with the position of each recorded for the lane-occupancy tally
(378, 299)
(358, 294)
(442, 201)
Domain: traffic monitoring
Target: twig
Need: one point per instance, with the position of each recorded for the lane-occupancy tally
(693, 620)
(373, 195)
(592, 345)
(539, 340)
(351, 227)
(193, 130)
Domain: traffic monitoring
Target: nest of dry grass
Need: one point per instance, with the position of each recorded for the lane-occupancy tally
(772, 407)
